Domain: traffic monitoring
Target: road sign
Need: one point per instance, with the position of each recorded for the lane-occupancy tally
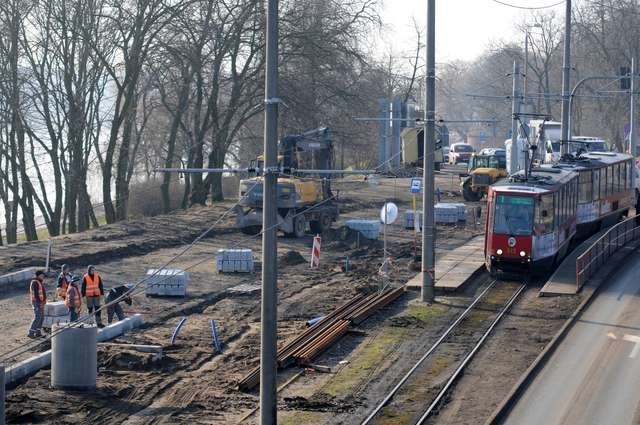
(416, 185)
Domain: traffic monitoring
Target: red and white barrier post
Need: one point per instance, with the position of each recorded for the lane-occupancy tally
(315, 252)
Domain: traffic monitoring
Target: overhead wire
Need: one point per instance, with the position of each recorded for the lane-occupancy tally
(515, 6)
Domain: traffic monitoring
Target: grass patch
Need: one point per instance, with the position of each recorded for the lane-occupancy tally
(297, 417)
(426, 313)
(365, 361)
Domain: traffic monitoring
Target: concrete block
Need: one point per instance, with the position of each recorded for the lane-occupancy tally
(55, 308)
(20, 277)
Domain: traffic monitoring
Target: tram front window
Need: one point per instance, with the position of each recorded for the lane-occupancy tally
(513, 215)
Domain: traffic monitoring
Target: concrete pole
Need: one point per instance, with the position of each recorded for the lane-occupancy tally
(2, 395)
(566, 69)
(269, 313)
(632, 139)
(428, 222)
(515, 110)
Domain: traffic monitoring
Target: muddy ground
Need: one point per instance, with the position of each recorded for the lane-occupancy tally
(194, 384)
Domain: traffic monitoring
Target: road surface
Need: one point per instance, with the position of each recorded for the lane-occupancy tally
(594, 375)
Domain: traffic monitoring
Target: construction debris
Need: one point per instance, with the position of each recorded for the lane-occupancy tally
(317, 338)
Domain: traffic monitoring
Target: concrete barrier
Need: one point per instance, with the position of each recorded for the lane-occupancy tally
(9, 281)
(33, 364)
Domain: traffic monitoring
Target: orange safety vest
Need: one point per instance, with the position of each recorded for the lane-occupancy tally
(42, 296)
(93, 288)
(62, 290)
(76, 297)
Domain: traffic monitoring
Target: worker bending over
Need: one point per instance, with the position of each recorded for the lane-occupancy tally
(63, 282)
(38, 294)
(73, 299)
(113, 295)
(93, 291)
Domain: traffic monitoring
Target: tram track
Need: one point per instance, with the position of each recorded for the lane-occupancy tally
(420, 392)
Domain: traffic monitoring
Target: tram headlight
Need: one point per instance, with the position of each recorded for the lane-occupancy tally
(499, 251)
(522, 253)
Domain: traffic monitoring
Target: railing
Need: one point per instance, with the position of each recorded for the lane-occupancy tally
(608, 244)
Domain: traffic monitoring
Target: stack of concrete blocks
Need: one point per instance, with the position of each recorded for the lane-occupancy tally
(234, 261)
(409, 219)
(166, 282)
(446, 213)
(55, 313)
(370, 229)
(21, 277)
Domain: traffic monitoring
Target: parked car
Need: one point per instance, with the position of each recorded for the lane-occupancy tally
(460, 152)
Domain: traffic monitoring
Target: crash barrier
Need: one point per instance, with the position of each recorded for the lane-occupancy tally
(602, 249)
(166, 282)
(370, 229)
(234, 261)
(24, 368)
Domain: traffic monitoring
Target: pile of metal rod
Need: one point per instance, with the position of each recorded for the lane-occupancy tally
(317, 338)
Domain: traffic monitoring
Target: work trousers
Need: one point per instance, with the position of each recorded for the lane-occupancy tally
(114, 309)
(73, 314)
(93, 304)
(38, 313)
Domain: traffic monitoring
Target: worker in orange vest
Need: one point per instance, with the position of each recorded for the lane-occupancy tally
(38, 294)
(73, 299)
(63, 282)
(93, 291)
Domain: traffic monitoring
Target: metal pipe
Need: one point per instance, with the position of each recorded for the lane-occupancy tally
(566, 74)
(428, 231)
(177, 330)
(269, 311)
(515, 110)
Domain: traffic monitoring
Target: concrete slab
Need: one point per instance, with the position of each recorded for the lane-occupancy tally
(563, 280)
(455, 267)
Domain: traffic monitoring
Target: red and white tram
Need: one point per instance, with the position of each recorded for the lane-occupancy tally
(530, 220)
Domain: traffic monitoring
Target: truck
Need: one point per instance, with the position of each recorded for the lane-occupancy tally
(413, 146)
(485, 168)
(304, 197)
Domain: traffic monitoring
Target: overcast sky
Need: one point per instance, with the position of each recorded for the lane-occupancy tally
(463, 27)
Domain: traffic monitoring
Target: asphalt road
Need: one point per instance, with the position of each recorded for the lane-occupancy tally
(594, 375)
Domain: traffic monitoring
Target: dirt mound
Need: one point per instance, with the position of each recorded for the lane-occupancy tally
(125, 359)
(291, 258)
(322, 403)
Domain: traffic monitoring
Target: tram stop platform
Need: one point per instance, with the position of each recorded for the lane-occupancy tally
(563, 280)
(455, 268)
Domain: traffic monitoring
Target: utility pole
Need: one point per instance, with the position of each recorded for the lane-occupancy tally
(566, 69)
(428, 222)
(515, 110)
(269, 312)
(632, 140)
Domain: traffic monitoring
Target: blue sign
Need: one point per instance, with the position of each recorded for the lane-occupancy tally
(416, 185)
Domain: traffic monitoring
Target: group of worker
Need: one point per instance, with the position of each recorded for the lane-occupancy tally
(91, 289)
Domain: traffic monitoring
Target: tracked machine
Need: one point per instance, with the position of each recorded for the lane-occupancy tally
(304, 192)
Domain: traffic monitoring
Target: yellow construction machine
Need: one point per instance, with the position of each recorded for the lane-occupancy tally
(484, 169)
(305, 161)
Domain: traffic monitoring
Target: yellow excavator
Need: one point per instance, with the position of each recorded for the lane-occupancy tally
(304, 160)
(484, 169)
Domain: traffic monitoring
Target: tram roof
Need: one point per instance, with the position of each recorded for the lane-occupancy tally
(591, 160)
(540, 180)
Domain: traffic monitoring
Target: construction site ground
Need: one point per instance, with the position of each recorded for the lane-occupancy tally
(194, 384)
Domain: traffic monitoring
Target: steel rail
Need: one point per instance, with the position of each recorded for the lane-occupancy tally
(469, 356)
(435, 345)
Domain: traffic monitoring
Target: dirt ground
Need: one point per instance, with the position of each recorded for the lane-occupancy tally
(194, 384)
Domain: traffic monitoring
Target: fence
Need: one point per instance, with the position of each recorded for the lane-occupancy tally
(608, 244)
